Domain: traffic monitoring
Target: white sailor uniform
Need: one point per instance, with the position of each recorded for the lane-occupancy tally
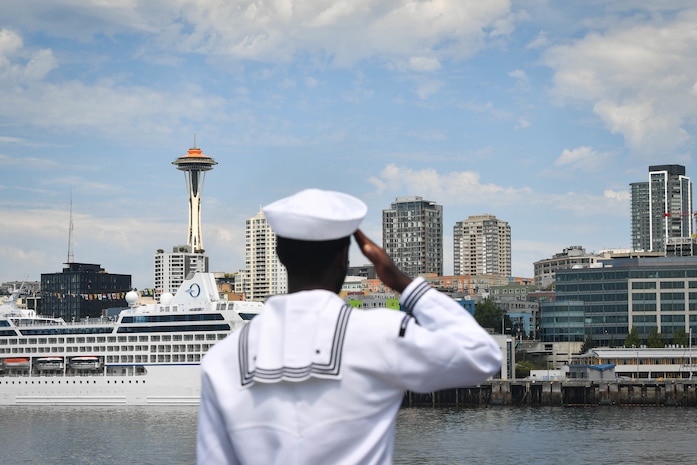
(311, 381)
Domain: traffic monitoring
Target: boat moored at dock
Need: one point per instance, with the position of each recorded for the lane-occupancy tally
(148, 355)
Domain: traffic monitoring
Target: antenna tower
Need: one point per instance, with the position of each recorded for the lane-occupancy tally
(71, 258)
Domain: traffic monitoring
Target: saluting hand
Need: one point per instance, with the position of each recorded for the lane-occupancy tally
(387, 271)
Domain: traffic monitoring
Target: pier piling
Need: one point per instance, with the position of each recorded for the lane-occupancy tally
(568, 393)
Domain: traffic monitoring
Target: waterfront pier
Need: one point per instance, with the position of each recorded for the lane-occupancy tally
(569, 393)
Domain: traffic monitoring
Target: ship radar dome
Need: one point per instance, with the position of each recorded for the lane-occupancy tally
(131, 298)
(166, 298)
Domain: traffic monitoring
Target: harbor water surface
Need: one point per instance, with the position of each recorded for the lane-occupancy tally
(494, 435)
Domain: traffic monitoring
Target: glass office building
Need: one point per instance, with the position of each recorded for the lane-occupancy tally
(620, 294)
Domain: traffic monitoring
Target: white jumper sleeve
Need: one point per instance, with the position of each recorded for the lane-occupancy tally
(447, 348)
(213, 445)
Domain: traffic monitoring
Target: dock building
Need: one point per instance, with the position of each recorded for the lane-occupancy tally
(636, 363)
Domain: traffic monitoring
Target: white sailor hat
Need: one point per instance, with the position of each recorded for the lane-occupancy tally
(315, 215)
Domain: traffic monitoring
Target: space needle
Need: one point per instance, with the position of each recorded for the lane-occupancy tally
(195, 164)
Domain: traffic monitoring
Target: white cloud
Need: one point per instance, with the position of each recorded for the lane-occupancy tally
(643, 125)
(466, 188)
(343, 31)
(583, 159)
(459, 187)
(488, 108)
(540, 41)
(637, 75)
(10, 43)
(523, 123)
(12, 53)
(424, 63)
(29, 98)
(427, 88)
(519, 74)
(622, 196)
(31, 162)
(411, 36)
(40, 65)
(522, 80)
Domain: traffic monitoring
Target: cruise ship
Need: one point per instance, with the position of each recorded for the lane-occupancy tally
(148, 355)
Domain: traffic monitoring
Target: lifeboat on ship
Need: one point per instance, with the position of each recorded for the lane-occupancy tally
(86, 362)
(17, 363)
(49, 363)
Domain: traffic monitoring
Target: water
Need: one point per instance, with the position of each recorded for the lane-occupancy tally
(547, 435)
(498, 435)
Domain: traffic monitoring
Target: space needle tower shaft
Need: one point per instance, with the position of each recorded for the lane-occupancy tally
(195, 164)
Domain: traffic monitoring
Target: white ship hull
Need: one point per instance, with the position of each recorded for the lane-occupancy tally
(149, 356)
(161, 385)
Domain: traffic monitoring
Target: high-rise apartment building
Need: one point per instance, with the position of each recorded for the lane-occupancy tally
(172, 268)
(482, 245)
(265, 275)
(412, 235)
(641, 218)
(661, 208)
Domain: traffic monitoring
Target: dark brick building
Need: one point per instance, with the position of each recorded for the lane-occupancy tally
(82, 290)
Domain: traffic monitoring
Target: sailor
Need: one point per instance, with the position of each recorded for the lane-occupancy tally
(311, 380)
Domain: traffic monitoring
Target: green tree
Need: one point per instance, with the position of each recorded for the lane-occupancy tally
(655, 340)
(488, 315)
(588, 344)
(522, 369)
(632, 339)
(680, 338)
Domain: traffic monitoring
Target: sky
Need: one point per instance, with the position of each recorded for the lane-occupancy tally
(538, 112)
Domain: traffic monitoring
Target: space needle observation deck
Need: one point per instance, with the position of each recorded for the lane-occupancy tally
(195, 164)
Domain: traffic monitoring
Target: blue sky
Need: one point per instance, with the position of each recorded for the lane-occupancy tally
(538, 112)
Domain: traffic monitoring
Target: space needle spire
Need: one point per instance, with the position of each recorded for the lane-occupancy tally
(195, 164)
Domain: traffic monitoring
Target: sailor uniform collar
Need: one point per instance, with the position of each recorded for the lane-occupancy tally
(297, 336)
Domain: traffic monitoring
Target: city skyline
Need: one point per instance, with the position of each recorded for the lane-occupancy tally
(539, 113)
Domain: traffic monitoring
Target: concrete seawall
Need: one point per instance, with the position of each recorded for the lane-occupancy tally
(563, 393)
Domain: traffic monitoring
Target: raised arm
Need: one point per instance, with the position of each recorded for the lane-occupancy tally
(387, 271)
